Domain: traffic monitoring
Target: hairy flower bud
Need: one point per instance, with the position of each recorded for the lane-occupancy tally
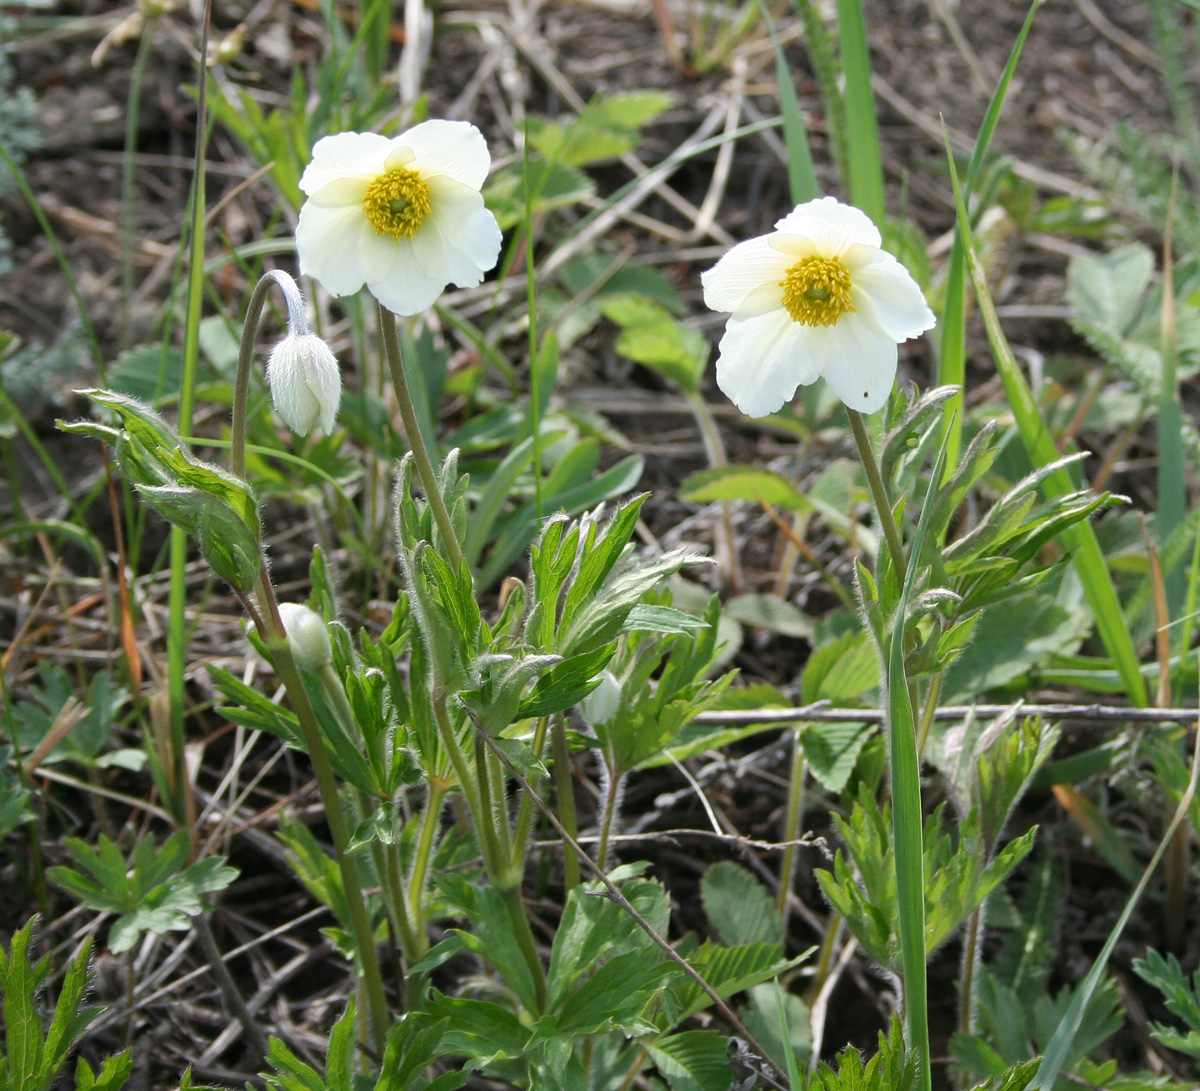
(601, 705)
(306, 383)
(307, 636)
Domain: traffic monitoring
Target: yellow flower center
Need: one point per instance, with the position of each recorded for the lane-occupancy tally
(816, 291)
(396, 203)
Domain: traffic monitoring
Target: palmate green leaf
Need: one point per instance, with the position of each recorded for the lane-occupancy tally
(482, 1030)
(694, 1060)
(1181, 994)
(617, 995)
(606, 128)
(32, 1059)
(739, 907)
(958, 876)
(1107, 289)
(593, 927)
(522, 524)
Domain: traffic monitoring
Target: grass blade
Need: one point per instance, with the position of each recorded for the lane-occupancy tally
(864, 168)
(802, 177)
(1039, 444)
(952, 357)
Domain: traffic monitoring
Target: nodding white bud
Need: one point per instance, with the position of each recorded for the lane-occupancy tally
(601, 705)
(303, 373)
(306, 383)
(307, 636)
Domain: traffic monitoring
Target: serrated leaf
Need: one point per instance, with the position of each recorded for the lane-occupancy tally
(694, 1060)
(738, 906)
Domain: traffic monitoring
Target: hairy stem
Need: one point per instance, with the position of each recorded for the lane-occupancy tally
(416, 440)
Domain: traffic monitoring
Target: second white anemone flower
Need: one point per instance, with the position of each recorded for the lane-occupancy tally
(404, 216)
(815, 298)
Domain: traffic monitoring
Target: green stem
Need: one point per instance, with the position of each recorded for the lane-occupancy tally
(515, 905)
(416, 882)
(520, 845)
(791, 827)
(275, 638)
(564, 793)
(971, 951)
(416, 440)
(241, 382)
(714, 449)
(610, 810)
(493, 826)
(878, 490)
(927, 713)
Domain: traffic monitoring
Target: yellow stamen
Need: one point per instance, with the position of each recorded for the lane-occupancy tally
(816, 291)
(396, 203)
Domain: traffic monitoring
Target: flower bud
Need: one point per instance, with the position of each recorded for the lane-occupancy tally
(601, 705)
(305, 381)
(307, 636)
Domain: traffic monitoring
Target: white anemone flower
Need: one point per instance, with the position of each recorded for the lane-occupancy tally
(403, 216)
(815, 298)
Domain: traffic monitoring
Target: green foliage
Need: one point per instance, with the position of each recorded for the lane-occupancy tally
(216, 508)
(33, 1055)
(1180, 993)
(415, 1044)
(15, 798)
(87, 740)
(153, 892)
(959, 875)
(892, 1068)
(1012, 1030)
(606, 128)
(653, 337)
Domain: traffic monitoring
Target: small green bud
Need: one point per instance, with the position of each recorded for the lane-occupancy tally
(307, 636)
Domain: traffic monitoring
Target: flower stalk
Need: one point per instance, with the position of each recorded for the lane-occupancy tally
(416, 440)
(275, 637)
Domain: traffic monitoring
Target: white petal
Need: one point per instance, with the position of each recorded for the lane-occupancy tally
(337, 247)
(407, 289)
(857, 361)
(833, 226)
(345, 155)
(453, 148)
(460, 239)
(749, 266)
(762, 361)
(884, 292)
